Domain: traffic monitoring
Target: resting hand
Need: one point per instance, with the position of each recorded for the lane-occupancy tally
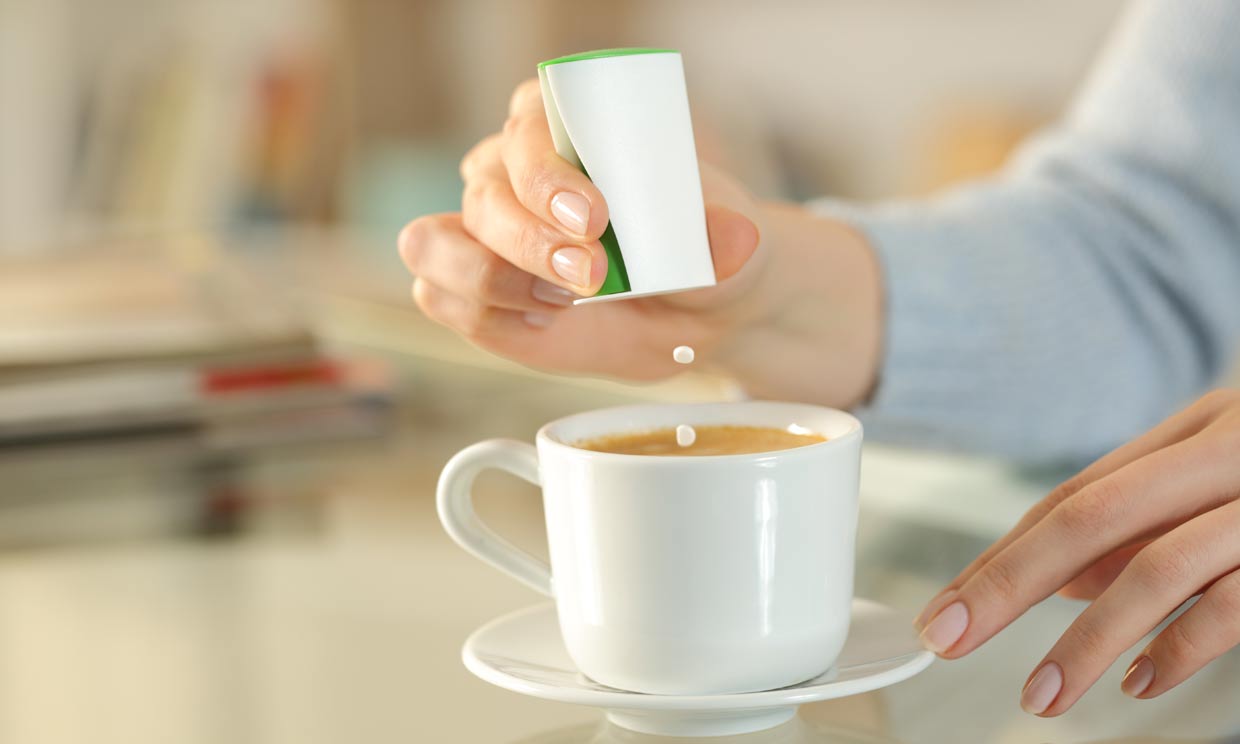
(1140, 531)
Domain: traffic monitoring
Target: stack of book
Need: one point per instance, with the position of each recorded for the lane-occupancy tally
(113, 344)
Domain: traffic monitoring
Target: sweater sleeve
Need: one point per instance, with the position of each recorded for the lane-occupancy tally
(1092, 288)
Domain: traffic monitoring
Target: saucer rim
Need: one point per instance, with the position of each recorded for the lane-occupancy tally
(915, 662)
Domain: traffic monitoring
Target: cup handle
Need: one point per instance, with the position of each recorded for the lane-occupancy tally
(456, 508)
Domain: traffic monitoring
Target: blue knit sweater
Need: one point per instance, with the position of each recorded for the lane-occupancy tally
(1094, 286)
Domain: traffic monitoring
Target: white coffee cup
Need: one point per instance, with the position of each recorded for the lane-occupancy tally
(683, 575)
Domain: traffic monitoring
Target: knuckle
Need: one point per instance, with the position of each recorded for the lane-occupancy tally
(473, 323)
(1089, 639)
(999, 580)
(490, 278)
(476, 194)
(1219, 399)
(469, 163)
(478, 202)
(533, 181)
(418, 234)
(519, 130)
(523, 93)
(1177, 647)
(1034, 515)
(1224, 597)
(475, 159)
(1068, 489)
(412, 238)
(423, 297)
(527, 240)
(514, 125)
(1164, 565)
(418, 230)
(1084, 515)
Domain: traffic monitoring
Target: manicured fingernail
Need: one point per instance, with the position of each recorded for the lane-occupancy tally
(1138, 677)
(573, 264)
(572, 211)
(547, 292)
(1042, 689)
(934, 605)
(539, 320)
(946, 628)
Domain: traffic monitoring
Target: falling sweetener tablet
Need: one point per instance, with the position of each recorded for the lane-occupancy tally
(683, 354)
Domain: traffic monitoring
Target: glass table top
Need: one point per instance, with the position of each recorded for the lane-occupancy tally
(308, 595)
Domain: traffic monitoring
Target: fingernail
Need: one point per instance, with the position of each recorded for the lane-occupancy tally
(1042, 689)
(573, 264)
(572, 211)
(545, 291)
(934, 605)
(539, 320)
(946, 628)
(1138, 677)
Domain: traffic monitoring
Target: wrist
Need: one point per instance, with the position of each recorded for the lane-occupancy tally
(812, 326)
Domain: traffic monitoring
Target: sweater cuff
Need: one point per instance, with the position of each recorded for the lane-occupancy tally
(930, 324)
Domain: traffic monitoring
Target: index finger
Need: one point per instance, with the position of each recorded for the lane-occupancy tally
(1182, 425)
(1105, 515)
(545, 183)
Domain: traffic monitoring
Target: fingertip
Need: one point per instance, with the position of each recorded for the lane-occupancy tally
(1041, 692)
(579, 268)
(404, 241)
(945, 630)
(936, 603)
(411, 239)
(598, 267)
(1139, 678)
(526, 96)
(733, 239)
(599, 215)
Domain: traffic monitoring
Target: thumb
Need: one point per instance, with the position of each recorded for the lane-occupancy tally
(733, 239)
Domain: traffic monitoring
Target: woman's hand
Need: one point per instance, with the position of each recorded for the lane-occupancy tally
(504, 272)
(1140, 531)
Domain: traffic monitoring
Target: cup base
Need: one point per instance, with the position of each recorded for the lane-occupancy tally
(696, 690)
(714, 723)
(523, 651)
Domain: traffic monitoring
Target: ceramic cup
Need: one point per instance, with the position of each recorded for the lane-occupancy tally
(683, 575)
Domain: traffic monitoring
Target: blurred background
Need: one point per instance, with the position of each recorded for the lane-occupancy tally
(199, 198)
(186, 115)
(221, 417)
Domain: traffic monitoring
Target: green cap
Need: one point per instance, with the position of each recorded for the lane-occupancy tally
(601, 53)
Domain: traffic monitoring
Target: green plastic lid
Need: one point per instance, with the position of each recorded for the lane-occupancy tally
(601, 53)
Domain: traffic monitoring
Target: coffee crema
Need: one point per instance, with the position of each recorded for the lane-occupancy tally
(710, 440)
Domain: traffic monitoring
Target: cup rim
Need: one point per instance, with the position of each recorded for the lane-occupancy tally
(544, 439)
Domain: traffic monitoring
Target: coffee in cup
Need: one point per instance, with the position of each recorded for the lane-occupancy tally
(709, 440)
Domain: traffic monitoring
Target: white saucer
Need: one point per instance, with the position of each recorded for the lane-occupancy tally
(522, 651)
